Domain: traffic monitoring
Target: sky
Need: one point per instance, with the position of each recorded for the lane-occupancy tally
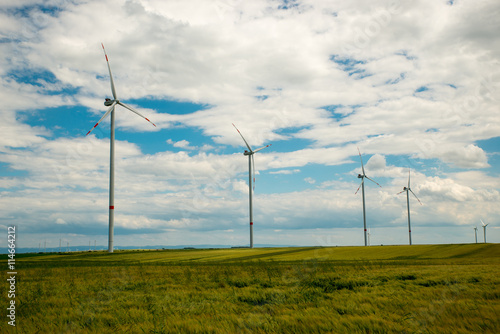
(415, 85)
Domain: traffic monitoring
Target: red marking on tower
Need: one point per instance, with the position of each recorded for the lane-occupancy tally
(105, 55)
(251, 223)
(111, 207)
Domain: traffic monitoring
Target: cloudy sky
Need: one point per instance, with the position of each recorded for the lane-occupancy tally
(413, 84)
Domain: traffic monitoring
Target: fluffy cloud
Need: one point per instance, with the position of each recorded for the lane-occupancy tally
(408, 83)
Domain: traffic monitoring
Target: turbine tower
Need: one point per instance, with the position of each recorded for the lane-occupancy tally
(484, 229)
(362, 185)
(251, 170)
(111, 110)
(475, 233)
(408, 190)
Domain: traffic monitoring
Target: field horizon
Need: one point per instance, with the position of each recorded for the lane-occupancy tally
(324, 253)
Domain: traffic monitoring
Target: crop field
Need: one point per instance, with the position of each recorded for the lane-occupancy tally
(377, 289)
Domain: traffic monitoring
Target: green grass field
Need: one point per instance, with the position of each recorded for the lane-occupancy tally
(378, 289)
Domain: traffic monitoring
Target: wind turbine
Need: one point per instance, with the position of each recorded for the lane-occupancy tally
(362, 186)
(408, 190)
(475, 233)
(111, 110)
(484, 229)
(251, 170)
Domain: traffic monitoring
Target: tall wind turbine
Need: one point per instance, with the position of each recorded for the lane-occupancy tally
(362, 185)
(408, 190)
(475, 233)
(484, 229)
(111, 110)
(251, 170)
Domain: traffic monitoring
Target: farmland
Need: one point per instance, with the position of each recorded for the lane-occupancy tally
(382, 289)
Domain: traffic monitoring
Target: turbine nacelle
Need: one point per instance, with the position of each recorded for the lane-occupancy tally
(360, 176)
(247, 153)
(109, 102)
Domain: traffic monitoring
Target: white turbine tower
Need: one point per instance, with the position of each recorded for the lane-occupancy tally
(251, 170)
(475, 233)
(111, 104)
(484, 229)
(362, 186)
(408, 190)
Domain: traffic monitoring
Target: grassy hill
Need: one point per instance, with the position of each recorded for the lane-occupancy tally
(377, 289)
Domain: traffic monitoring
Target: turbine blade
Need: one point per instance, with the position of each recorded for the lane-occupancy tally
(257, 150)
(110, 75)
(415, 196)
(249, 148)
(103, 117)
(135, 111)
(400, 192)
(359, 186)
(373, 181)
(362, 167)
(481, 221)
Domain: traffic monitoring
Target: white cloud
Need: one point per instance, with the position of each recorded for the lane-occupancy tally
(181, 144)
(376, 163)
(310, 180)
(60, 221)
(285, 171)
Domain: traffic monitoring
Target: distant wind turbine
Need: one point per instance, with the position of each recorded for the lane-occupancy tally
(484, 229)
(408, 190)
(251, 171)
(111, 104)
(362, 186)
(475, 233)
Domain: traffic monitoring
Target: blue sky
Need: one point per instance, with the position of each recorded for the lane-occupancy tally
(413, 85)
